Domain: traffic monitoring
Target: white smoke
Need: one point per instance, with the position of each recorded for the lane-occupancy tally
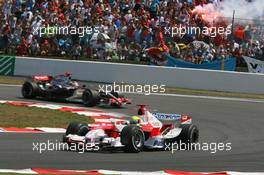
(244, 10)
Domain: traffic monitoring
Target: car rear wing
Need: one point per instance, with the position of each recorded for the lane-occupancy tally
(42, 77)
(166, 118)
(175, 118)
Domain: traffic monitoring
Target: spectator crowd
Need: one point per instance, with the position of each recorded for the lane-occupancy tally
(125, 29)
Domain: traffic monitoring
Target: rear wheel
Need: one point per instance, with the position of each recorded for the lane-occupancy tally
(188, 135)
(132, 137)
(90, 98)
(117, 94)
(29, 90)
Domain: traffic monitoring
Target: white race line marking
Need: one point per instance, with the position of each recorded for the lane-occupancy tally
(31, 171)
(132, 172)
(19, 171)
(183, 96)
(204, 97)
(10, 85)
(49, 130)
(245, 173)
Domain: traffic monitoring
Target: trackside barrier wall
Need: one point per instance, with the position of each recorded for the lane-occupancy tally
(7, 65)
(144, 74)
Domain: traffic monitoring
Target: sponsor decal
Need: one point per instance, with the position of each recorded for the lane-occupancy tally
(163, 116)
(254, 65)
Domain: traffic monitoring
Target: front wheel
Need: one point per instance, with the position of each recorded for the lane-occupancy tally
(76, 128)
(117, 94)
(132, 137)
(90, 98)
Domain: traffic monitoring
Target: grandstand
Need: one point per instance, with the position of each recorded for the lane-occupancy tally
(126, 30)
(1, 4)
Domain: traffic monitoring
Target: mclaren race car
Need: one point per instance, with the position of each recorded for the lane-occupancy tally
(64, 88)
(145, 131)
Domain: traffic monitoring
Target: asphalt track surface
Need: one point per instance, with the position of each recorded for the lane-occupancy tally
(240, 123)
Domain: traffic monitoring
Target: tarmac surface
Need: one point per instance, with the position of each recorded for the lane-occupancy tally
(238, 123)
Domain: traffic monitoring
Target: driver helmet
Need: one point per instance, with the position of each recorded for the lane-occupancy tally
(135, 120)
(68, 74)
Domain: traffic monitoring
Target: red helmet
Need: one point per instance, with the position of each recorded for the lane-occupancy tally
(67, 74)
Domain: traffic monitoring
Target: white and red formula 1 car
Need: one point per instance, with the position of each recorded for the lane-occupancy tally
(147, 130)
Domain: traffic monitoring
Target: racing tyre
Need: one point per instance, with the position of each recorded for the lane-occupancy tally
(117, 94)
(64, 138)
(29, 90)
(188, 135)
(72, 128)
(77, 128)
(132, 137)
(90, 98)
(82, 129)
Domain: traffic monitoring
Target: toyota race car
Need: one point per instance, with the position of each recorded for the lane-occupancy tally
(62, 87)
(148, 131)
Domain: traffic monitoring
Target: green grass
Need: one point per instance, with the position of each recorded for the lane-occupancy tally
(10, 80)
(21, 116)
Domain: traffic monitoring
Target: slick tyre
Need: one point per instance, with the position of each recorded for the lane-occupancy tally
(188, 135)
(132, 137)
(117, 94)
(29, 90)
(90, 98)
(77, 128)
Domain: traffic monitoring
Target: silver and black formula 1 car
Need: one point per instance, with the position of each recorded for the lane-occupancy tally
(63, 88)
(147, 130)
